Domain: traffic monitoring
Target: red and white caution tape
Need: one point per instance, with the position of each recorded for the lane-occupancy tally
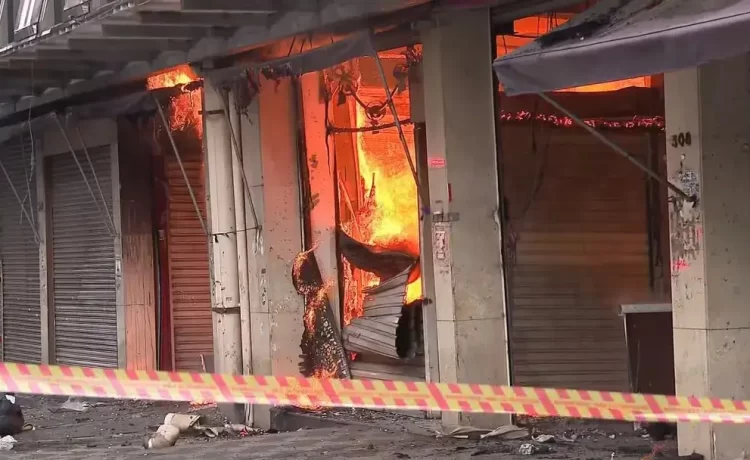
(183, 386)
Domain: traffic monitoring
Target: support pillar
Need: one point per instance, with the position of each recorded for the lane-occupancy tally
(708, 153)
(271, 163)
(321, 171)
(259, 353)
(223, 239)
(464, 202)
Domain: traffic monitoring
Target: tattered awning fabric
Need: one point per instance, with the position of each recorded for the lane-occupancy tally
(616, 40)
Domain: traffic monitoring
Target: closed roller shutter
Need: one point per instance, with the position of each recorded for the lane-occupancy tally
(19, 255)
(83, 262)
(188, 266)
(578, 217)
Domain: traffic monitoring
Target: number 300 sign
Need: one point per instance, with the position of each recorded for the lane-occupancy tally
(681, 139)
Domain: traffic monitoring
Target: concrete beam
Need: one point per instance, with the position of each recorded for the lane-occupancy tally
(171, 18)
(232, 6)
(136, 44)
(156, 32)
(98, 55)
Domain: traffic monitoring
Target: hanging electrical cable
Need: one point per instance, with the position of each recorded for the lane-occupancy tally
(238, 155)
(96, 178)
(605, 140)
(108, 222)
(177, 155)
(20, 202)
(397, 121)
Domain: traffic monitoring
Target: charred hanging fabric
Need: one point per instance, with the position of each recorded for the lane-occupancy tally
(322, 352)
(384, 263)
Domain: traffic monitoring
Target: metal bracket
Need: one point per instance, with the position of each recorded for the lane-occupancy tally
(226, 310)
(446, 217)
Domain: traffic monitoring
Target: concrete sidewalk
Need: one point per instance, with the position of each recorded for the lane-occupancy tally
(344, 443)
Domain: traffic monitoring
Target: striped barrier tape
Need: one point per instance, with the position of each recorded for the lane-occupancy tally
(374, 394)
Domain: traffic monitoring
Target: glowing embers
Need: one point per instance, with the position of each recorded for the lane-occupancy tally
(322, 353)
(185, 105)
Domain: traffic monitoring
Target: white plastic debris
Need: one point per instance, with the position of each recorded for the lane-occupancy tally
(165, 436)
(505, 433)
(544, 438)
(7, 443)
(75, 405)
(183, 422)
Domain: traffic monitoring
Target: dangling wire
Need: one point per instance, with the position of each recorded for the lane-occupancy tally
(18, 197)
(176, 151)
(109, 223)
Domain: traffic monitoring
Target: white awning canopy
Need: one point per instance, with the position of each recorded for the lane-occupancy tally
(617, 39)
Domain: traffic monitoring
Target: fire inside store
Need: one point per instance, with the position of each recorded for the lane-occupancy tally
(364, 318)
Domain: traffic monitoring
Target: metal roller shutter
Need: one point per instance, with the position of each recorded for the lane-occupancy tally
(578, 216)
(19, 255)
(83, 262)
(188, 266)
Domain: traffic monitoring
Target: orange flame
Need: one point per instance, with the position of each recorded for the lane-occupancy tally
(185, 108)
(389, 214)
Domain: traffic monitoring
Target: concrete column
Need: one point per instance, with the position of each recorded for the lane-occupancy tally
(272, 162)
(259, 353)
(223, 240)
(242, 227)
(708, 153)
(464, 198)
(321, 166)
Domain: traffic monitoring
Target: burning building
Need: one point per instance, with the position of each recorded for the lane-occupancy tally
(395, 214)
(374, 204)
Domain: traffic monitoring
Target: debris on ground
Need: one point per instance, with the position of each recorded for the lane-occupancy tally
(7, 443)
(659, 452)
(506, 432)
(165, 436)
(544, 438)
(492, 450)
(659, 431)
(190, 424)
(533, 449)
(76, 405)
(569, 436)
(11, 416)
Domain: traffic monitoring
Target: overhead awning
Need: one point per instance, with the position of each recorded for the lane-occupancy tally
(617, 39)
